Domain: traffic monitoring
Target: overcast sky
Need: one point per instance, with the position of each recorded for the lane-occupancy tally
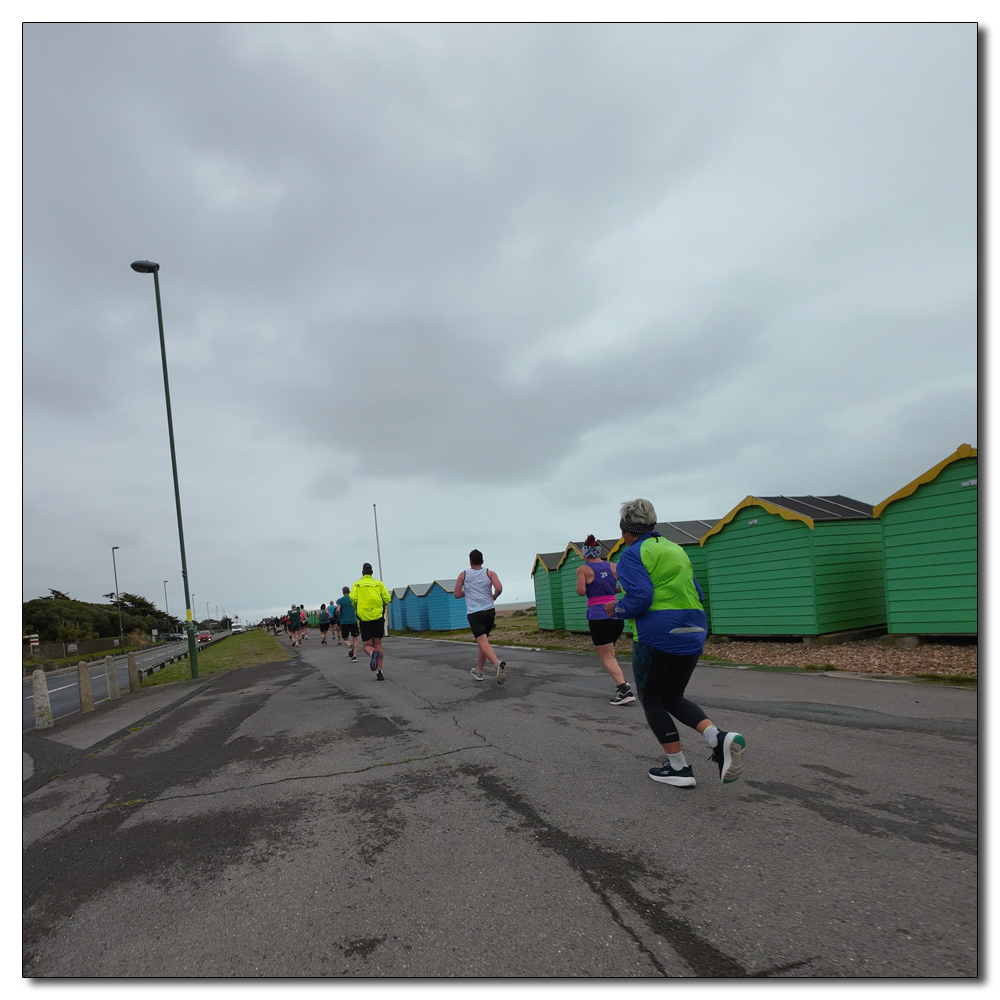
(495, 279)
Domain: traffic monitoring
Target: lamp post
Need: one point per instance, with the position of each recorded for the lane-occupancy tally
(118, 600)
(166, 605)
(148, 267)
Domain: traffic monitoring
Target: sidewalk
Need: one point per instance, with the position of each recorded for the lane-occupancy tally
(47, 752)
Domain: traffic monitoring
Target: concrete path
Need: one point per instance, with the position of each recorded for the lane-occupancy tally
(303, 819)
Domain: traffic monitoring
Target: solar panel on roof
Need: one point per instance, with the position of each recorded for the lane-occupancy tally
(837, 508)
(684, 532)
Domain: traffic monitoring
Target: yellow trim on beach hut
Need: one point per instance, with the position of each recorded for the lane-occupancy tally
(963, 451)
(788, 515)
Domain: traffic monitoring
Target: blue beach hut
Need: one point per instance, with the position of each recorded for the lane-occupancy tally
(415, 610)
(396, 608)
(445, 611)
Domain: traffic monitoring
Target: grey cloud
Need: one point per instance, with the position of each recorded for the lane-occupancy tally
(444, 262)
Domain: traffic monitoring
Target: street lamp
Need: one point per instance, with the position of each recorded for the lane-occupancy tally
(148, 267)
(166, 605)
(118, 600)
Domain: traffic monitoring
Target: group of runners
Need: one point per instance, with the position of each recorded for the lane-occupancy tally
(653, 585)
(358, 613)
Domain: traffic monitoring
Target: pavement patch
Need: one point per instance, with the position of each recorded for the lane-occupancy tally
(612, 874)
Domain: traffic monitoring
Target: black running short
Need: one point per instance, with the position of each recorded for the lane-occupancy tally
(482, 622)
(348, 628)
(605, 631)
(324, 627)
(372, 629)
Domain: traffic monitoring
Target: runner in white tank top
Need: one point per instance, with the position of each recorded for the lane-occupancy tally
(480, 588)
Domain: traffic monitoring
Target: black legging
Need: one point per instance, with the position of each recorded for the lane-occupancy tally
(660, 680)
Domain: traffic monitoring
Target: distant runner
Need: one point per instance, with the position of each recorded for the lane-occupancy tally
(295, 625)
(305, 622)
(480, 588)
(324, 623)
(348, 624)
(596, 580)
(370, 598)
(665, 600)
(335, 621)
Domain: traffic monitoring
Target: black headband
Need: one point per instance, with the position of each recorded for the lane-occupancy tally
(635, 529)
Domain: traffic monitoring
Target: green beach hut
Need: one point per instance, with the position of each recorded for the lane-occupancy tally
(930, 536)
(796, 566)
(548, 593)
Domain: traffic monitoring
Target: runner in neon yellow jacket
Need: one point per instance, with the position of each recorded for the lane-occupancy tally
(369, 597)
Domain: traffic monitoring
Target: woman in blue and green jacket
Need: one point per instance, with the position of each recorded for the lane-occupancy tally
(664, 600)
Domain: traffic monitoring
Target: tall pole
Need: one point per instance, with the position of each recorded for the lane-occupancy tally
(385, 626)
(146, 267)
(377, 549)
(166, 604)
(118, 600)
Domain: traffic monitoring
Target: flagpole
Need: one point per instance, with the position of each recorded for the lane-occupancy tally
(377, 549)
(385, 630)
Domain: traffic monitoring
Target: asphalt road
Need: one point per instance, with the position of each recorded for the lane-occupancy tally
(302, 819)
(64, 688)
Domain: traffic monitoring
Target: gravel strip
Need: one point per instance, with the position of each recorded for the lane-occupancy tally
(864, 657)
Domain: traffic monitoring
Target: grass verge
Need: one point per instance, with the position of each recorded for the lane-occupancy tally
(952, 680)
(246, 650)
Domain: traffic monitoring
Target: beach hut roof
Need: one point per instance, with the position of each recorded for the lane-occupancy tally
(807, 509)
(399, 592)
(446, 585)
(421, 589)
(549, 560)
(963, 451)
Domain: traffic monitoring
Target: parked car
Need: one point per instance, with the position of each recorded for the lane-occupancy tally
(174, 637)
(204, 636)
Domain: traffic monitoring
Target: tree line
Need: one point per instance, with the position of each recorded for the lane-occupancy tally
(60, 618)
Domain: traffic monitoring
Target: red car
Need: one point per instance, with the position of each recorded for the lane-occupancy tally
(204, 636)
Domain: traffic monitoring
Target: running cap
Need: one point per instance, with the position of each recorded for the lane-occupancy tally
(591, 548)
(637, 517)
